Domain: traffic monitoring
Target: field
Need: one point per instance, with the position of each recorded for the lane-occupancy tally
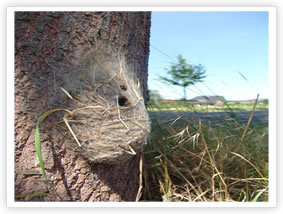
(197, 162)
(182, 106)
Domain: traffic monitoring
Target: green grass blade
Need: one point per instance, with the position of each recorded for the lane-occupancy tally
(37, 139)
(258, 195)
(38, 151)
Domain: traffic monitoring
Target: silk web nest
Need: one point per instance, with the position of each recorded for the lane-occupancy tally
(109, 123)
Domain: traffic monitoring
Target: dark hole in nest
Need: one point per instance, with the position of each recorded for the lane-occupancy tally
(122, 101)
(123, 87)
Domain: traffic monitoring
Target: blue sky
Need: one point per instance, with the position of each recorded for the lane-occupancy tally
(225, 43)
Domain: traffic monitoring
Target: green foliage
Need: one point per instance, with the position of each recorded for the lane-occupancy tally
(266, 101)
(183, 74)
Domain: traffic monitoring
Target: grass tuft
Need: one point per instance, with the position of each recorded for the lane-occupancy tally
(198, 161)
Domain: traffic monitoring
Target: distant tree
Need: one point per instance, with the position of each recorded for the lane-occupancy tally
(266, 101)
(183, 74)
(154, 97)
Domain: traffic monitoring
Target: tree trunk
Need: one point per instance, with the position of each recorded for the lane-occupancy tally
(185, 93)
(94, 66)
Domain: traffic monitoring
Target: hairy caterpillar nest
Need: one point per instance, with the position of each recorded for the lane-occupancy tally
(109, 117)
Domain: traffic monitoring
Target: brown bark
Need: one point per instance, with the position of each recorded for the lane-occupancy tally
(52, 50)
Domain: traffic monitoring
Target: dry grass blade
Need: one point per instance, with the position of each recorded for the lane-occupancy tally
(201, 195)
(140, 179)
(184, 177)
(213, 164)
(248, 124)
(132, 150)
(178, 118)
(70, 129)
(250, 164)
(67, 93)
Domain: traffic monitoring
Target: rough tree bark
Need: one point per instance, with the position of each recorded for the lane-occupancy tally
(52, 50)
